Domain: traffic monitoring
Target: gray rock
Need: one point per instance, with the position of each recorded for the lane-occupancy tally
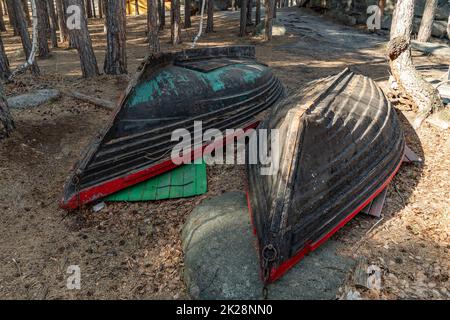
(221, 260)
(33, 99)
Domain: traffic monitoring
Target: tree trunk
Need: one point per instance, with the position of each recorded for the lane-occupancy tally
(187, 14)
(42, 14)
(100, 9)
(426, 24)
(26, 10)
(249, 12)
(63, 31)
(53, 23)
(136, 7)
(6, 122)
(12, 17)
(5, 72)
(175, 30)
(258, 12)
(162, 14)
(81, 40)
(116, 54)
(2, 20)
(152, 25)
(17, 11)
(88, 5)
(270, 7)
(243, 19)
(409, 81)
(210, 20)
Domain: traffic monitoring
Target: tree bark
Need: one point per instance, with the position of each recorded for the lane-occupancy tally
(13, 21)
(410, 82)
(42, 14)
(53, 23)
(81, 40)
(270, 7)
(258, 13)
(63, 31)
(152, 25)
(187, 14)
(175, 29)
(17, 10)
(6, 121)
(162, 14)
(210, 19)
(243, 19)
(116, 54)
(426, 25)
(2, 20)
(5, 72)
(88, 5)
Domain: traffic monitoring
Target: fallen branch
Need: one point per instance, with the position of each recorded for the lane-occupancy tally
(105, 104)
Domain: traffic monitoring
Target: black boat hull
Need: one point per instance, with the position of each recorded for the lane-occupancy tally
(224, 88)
(342, 145)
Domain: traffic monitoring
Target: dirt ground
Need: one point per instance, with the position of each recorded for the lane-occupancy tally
(133, 250)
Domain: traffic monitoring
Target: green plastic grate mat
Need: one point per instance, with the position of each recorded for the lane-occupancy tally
(185, 181)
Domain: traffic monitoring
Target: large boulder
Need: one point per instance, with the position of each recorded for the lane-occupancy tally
(221, 260)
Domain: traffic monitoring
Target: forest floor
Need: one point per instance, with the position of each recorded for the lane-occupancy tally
(134, 250)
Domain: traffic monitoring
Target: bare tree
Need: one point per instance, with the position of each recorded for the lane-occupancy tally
(426, 24)
(5, 72)
(17, 10)
(175, 28)
(81, 40)
(63, 31)
(270, 7)
(409, 81)
(116, 53)
(187, 14)
(210, 19)
(243, 19)
(152, 25)
(6, 121)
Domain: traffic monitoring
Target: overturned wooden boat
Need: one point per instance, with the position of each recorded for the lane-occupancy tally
(341, 144)
(225, 88)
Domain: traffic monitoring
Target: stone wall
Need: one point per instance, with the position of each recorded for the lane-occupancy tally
(353, 12)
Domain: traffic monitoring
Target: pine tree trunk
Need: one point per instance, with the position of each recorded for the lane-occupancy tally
(53, 23)
(41, 7)
(5, 72)
(12, 16)
(116, 53)
(270, 7)
(409, 81)
(187, 14)
(210, 20)
(152, 25)
(175, 28)
(2, 20)
(81, 40)
(100, 9)
(243, 19)
(63, 31)
(6, 121)
(162, 14)
(136, 7)
(258, 12)
(88, 5)
(426, 24)
(26, 10)
(17, 11)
